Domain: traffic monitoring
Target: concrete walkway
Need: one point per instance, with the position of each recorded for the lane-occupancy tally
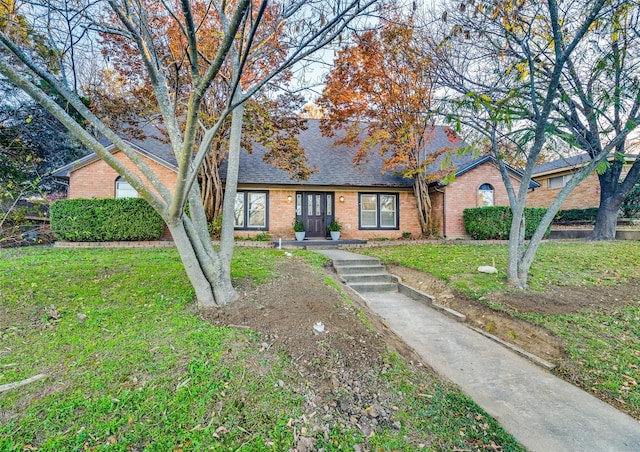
(543, 412)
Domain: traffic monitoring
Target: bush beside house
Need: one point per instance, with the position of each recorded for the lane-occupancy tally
(103, 220)
(493, 223)
(576, 216)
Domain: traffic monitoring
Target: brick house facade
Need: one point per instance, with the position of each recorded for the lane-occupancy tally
(450, 201)
(552, 176)
(96, 179)
(369, 203)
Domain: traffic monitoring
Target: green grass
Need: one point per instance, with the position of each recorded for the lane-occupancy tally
(602, 345)
(142, 371)
(563, 264)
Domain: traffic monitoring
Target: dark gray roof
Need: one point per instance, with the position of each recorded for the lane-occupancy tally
(334, 164)
(570, 162)
(564, 162)
(148, 141)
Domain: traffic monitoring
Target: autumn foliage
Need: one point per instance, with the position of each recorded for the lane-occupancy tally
(380, 93)
(270, 120)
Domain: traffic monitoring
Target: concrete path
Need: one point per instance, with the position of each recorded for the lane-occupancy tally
(543, 412)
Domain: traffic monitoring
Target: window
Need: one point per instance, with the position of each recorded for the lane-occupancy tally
(378, 211)
(559, 181)
(124, 189)
(251, 210)
(485, 195)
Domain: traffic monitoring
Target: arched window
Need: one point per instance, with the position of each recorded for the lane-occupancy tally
(124, 189)
(485, 195)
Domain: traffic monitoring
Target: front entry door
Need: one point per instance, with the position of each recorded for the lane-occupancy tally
(317, 211)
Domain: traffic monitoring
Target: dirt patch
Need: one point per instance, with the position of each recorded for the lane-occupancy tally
(565, 300)
(532, 338)
(341, 365)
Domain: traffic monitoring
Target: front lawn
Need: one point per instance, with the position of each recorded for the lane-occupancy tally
(602, 342)
(131, 365)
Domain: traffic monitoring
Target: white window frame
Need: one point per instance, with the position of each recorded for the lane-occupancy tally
(484, 191)
(124, 189)
(562, 180)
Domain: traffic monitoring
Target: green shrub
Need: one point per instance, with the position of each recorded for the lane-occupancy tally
(631, 205)
(493, 223)
(574, 215)
(102, 220)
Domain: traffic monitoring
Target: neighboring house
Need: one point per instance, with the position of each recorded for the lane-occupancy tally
(553, 176)
(369, 203)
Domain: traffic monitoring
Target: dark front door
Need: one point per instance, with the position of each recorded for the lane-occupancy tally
(316, 208)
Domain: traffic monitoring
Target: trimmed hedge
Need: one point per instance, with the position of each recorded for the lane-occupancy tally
(572, 215)
(493, 223)
(104, 220)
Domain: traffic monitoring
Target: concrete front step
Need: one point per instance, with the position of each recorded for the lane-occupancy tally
(368, 278)
(360, 269)
(363, 261)
(374, 287)
(365, 274)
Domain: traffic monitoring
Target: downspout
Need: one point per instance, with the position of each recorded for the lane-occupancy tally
(444, 210)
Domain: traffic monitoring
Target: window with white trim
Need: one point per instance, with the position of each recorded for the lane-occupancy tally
(251, 210)
(378, 210)
(124, 189)
(559, 181)
(485, 195)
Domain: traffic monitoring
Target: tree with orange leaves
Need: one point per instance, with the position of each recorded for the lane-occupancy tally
(380, 91)
(269, 119)
(302, 26)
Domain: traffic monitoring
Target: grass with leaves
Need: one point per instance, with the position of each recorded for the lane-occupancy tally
(603, 345)
(131, 366)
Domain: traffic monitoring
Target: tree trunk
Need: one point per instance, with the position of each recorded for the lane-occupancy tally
(606, 219)
(421, 192)
(211, 185)
(208, 271)
(516, 276)
(195, 273)
(231, 183)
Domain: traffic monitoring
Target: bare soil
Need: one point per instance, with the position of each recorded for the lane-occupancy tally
(341, 365)
(344, 359)
(532, 338)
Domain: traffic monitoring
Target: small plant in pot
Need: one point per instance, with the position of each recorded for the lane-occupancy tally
(334, 229)
(298, 228)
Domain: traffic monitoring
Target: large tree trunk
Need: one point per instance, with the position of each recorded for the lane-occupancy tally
(606, 219)
(208, 271)
(612, 193)
(421, 192)
(231, 183)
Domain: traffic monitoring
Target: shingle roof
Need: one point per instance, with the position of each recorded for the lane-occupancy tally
(565, 162)
(149, 142)
(334, 163)
(571, 162)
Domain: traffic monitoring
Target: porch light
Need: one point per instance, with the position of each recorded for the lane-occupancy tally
(341, 198)
(289, 198)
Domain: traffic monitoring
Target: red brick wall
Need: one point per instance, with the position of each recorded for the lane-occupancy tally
(98, 180)
(463, 193)
(586, 194)
(282, 213)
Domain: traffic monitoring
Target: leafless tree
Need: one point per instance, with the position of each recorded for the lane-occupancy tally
(305, 26)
